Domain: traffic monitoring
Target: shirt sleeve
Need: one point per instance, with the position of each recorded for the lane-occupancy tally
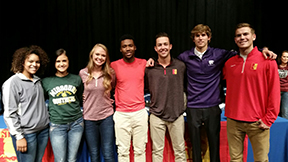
(146, 82)
(80, 91)
(44, 86)
(224, 72)
(11, 100)
(273, 106)
(181, 57)
(113, 81)
(82, 76)
(228, 54)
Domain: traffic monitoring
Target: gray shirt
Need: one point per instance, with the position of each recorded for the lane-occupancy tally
(24, 105)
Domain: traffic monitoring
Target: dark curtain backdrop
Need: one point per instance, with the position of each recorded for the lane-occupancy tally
(77, 25)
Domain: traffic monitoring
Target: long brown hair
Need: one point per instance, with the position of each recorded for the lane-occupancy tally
(279, 57)
(106, 69)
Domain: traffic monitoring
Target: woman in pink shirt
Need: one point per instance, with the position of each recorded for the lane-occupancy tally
(99, 78)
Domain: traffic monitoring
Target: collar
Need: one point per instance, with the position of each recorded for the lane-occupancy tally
(86, 72)
(192, 52)
(199, 54)
(252, 53)
(171, 62)
(130, 63)
(243, 56)
(23, 77)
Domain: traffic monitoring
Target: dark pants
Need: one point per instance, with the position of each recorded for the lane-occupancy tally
(100, 135)
(211, 119)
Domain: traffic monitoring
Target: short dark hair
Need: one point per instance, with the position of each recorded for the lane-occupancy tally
(126, 36)
(60, 52)
(162, 34)
(241, 25)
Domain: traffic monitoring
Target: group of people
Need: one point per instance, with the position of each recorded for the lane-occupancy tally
(252, 101)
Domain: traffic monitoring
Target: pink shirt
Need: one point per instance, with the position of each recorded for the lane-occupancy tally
(129, 90)
(97, 106)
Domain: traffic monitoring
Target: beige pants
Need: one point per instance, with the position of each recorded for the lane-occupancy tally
(176, 131)
(259, 138)
(131, 125)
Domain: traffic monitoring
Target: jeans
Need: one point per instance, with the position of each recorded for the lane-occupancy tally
(65, 140)
(284, 105)
(36, 145)
(100, 134)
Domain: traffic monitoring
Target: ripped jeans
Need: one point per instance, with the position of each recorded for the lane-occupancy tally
(65, 140)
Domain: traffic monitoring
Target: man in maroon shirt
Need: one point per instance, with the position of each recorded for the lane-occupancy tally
(166, 85)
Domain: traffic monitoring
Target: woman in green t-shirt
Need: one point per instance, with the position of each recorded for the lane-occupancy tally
(65, 97)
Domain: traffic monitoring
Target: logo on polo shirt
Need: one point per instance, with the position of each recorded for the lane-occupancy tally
(254, 66)
(174, 71)
(211, 62)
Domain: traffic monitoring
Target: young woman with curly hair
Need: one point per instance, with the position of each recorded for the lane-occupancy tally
(99, 78)
(25, 113)
(21, 54)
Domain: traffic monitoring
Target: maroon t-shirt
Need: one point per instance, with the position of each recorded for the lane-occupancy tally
(283, 73)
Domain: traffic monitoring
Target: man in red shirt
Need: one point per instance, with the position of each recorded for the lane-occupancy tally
(252, 97)
(131, 117)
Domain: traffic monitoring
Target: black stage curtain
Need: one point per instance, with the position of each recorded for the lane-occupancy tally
(77, 25)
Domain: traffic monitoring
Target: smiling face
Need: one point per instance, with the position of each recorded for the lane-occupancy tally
(99, 56)
(201, 40)
(31, 65)
(163, 47)
(62, 63)
(244, 38)
(284, 58)
(128, 49)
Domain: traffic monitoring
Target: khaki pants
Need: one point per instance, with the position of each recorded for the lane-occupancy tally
(259, 138)
(131, 125)
(176, 131)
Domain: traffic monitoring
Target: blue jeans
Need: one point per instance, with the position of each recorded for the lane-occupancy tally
(100, 134)
(65, 140)
(36, 145)
(284, 105)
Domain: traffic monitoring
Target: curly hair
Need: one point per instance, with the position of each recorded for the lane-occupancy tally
(21, 54)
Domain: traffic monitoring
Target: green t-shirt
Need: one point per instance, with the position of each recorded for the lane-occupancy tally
(65, 98)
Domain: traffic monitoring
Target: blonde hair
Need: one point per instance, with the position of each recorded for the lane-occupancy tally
(200, 28)
(106, 69)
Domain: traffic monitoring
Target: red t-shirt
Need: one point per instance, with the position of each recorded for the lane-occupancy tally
(129, 90)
